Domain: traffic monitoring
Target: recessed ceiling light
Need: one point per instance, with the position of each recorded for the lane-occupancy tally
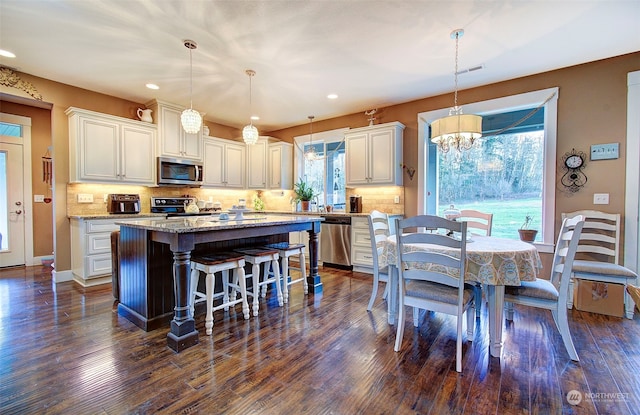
(7, 54)
(332, 96)
(152, 86)
(255, 117)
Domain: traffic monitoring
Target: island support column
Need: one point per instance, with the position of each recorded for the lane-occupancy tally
(313, 279)
(183, 332)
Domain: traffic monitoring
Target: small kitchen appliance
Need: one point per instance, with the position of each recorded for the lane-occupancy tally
(123, 203)
(355, 204)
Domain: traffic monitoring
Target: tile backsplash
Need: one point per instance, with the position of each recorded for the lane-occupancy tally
(380, 198)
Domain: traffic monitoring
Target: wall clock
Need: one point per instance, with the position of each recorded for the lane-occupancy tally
(573, 162)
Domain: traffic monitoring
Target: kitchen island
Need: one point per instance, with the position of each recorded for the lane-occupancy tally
(155, 261)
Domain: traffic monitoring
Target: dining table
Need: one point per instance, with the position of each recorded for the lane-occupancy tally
(491, 262)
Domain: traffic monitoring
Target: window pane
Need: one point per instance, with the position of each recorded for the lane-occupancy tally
(502, 175)
(336, 193)
(11, 130)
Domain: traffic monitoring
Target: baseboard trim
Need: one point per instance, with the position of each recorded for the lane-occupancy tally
(62, 276)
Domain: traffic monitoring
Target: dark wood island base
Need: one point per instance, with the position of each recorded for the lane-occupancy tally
(155, 261)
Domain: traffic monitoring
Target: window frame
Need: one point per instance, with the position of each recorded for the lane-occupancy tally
(493, 106)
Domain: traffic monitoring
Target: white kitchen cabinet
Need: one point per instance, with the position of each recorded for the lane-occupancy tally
(257, 164)
(108, 149)
(91, 249)
(279, 166)
(374, 155)
(173, 141)
(361, 251)
(224, 163)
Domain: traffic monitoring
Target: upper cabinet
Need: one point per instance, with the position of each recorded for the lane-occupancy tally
(373, 155)
(257, 164)
(224, 163)
(108, 149)
(173, 141)
(280, 165)
(269, 164)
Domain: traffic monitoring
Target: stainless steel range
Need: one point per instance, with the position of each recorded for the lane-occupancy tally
(175, 206)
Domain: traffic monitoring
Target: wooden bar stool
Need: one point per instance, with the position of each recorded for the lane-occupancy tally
(222, 262)
(255, 257)
(286, 250)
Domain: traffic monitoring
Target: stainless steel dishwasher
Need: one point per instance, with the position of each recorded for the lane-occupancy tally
(335, 241)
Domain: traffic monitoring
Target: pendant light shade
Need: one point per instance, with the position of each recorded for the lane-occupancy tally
(250, 132)
(458, 130)
(190, 119)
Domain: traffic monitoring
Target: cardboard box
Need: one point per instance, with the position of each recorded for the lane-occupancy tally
(599, 297)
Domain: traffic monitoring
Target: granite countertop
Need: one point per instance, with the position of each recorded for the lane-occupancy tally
(118, 215)
(213, 222)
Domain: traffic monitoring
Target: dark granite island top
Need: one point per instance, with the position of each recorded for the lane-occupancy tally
(155, 261)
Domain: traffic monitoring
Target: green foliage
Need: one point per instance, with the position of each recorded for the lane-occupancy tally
(527, 221)
(303, 191)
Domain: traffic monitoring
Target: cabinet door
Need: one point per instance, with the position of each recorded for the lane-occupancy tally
(99, 147)
(214, 163)
(257, 165)
(275, 167)
(382, 157)
(235, 165)
(356, 166)
(192, 144)
(170, 131)
(138, 155)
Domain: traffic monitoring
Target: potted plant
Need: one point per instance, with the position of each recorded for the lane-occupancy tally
(303, 193)
(527, 234)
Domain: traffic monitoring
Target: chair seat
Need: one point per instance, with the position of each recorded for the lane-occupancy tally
(439, 292)
(540, 288)
(285, 246)
(602, 268)
(256, 252)
(217, 258)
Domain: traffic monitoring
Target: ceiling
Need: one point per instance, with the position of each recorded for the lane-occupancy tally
(371, 53)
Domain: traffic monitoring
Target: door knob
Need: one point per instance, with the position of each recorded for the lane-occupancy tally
(17, 212)
(18, 203)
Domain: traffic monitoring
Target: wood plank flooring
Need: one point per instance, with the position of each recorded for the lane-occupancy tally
(64, 350)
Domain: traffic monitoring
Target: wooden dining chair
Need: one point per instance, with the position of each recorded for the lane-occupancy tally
(477, 221)
(598, 255)
(378, 233)
(552, 294)
(434, 280)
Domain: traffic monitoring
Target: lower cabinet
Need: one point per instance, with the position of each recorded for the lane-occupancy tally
(91, 249)
(361, 252)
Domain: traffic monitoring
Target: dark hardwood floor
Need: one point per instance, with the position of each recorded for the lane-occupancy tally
(64, 350)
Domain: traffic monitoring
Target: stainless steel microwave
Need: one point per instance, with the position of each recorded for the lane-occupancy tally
(179, 172)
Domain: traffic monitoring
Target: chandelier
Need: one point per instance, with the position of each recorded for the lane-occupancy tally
(458, 130)
(311, 154)
(249, 132)
(191, 119)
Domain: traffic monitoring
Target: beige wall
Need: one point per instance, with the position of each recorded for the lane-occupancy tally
(591, 110)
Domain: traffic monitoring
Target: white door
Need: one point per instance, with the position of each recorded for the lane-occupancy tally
(12, 213)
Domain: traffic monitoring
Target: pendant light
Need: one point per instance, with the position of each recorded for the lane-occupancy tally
(458, 131)
(191, 119)
(249, 132)
(311, 154)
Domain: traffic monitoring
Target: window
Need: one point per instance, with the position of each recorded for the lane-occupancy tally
(326, 174)
(515, 169)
